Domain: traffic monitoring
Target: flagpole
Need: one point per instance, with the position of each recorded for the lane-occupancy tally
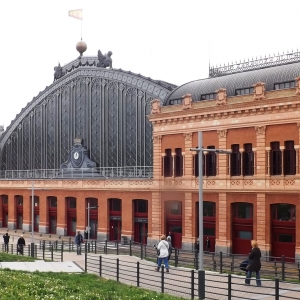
(81, 21)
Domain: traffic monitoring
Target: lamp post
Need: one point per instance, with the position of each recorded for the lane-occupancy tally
(200, 150)
(32, 218)
(89, 208)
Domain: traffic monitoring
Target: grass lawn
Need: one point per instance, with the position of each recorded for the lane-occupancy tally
(12, 257)
(41, 286)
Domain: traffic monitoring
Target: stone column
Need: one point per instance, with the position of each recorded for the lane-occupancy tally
(188, 166)
(103, 218)
(157, 161)
(61, 228)
(81, 212)
(222, 162)
(127, 217)
(156, 230)
(187, 237)
(12, 211)
(223, 239)
(261, 151)
(263, 219)
(44, 214)
(27, 210)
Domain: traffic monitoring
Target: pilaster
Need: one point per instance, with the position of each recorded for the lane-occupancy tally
(61, 228)
(27, 211)
(222, 159)
(261, 150)
(157, 161)
(12, 211)
(127, 217)
(297, 248)
(44, 214)
(188, 166)
(103, 219)
(262, 230)
(81, 219)
(156, 219)
(187, 238)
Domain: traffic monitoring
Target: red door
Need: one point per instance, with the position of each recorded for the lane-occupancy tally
(72, 223)
(175, 228)
(115, 230)
(4, 216)
(140, 232)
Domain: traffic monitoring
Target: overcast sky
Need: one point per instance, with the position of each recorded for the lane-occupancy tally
(170, 40)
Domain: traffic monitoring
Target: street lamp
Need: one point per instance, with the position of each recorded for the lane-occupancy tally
(32, 218)
(89, 208)
(200, 150)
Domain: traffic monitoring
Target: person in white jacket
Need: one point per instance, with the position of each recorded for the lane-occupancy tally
(163, 248)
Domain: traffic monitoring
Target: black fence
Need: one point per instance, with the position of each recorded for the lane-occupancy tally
(185, 283)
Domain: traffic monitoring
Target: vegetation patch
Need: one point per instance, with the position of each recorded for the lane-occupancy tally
(6, 257)
(36, 285)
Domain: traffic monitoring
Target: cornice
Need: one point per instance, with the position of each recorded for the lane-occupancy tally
(260, 107)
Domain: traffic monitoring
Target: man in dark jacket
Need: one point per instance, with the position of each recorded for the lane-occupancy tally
(78, 242)
(255, 264)
(6, 241)
(21, 244)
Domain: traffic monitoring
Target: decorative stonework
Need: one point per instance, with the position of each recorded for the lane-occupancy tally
(155, 106)
(140, 182)
(116, 182)
(210, 182)
(70, 182)
(222, 133)
(51, 182)
(90, 182)
(168, 182)
(221, 96)
(289, 182)
(259, 91)
(260, 130)
(156, 139)
(188, 136)
(187, 101)
(248, 182)
(235, 182)
(178, 182)
(274, 182)
(17, 182)
(297, 79)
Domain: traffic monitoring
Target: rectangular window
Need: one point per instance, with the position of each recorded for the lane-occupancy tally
(244, 235)
(72, 203)
(175, 101)
(248, 160)
(275, 159)
(211, 166)
(168, 163)
(209, 231)
(235, 163)
(284, 212)
(4, 199)
(284, 85)
(285, 238)
(289, 158)
(178, 162)
(174, 208)
(140, 206)
(19, 200)
(115, 204)
(244, 91)
(242, 210)
(208, 96)
(209, 209)
(53, 202)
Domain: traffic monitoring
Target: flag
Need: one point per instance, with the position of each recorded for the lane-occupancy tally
(76, 13)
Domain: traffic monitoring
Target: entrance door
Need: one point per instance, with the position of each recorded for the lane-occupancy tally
(19, 220)
(53, 223)
(36, 222)
(140, 232)
(115, 230)
(94, 226)
(4, 218)
(72, 226)
(176, 233)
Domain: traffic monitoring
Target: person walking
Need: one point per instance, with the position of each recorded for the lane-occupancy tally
(6, 241)
(21, 244)
(169, 240)
(254, 264)
(78, 242)
(207, 244)
(163, 248)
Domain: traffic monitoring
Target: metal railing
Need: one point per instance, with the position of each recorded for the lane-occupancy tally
(184, 282)
(99, 173)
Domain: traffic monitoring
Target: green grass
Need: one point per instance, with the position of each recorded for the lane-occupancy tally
(63, 286)
(12, 257)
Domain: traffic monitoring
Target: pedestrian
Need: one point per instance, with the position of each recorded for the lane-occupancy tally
(169, 240)
(170, 235)
(207, 244)
(163, 248)
(254, 264)
(21, 244)
(6, 241)
(78, 242)
(197, 246)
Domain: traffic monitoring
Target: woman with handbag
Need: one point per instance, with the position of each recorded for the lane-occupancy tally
(254, 264)
(163, 248)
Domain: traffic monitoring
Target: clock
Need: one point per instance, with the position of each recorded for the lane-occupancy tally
(76, 155)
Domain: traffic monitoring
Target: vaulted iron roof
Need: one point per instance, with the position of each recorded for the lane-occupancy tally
(232, 82)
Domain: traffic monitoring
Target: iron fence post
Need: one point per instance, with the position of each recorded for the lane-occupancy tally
(100, 266)
(201, 284)
(232, 264)
(221, 262)
(277, 288)
(229, 286)
(137, 274)
(192, 284)
(43, 250)
(176, 257)
(51, 252)
(130, 248)
(283, 267)
(145, 250)
(85, 258)
(69, 244)
(196, 260)
(62, 251)
(118, 264)
(141, 251)
(299, 270)
(162, 279)
(117, 247)
(95, 247)
(105, 247)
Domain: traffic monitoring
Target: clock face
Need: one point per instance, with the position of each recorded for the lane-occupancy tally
(76, 155)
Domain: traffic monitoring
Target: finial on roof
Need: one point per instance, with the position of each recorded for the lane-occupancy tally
(81, 47)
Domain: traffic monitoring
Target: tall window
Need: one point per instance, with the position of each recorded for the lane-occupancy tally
(289, 158)
(284, 212)
(211, 166)
(248, 160)
(168, 163)
(178, 162)
(114, 205)
(235, 164)
(275, 159)
(140, 206)
(242, 210)
(174, 208)
(209, 209)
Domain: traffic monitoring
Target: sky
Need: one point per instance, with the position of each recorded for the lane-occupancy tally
(169, 40)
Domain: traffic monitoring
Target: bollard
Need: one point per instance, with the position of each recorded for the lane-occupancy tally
(162, 279)
(221, 262)
(192, 284)
(100, 266)
(137, 274)
(229, 286)
(130, 248)
(62, 251)
(201, 284)
(141, 251)
(283, 267)
(118, 270)
(176, 257)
